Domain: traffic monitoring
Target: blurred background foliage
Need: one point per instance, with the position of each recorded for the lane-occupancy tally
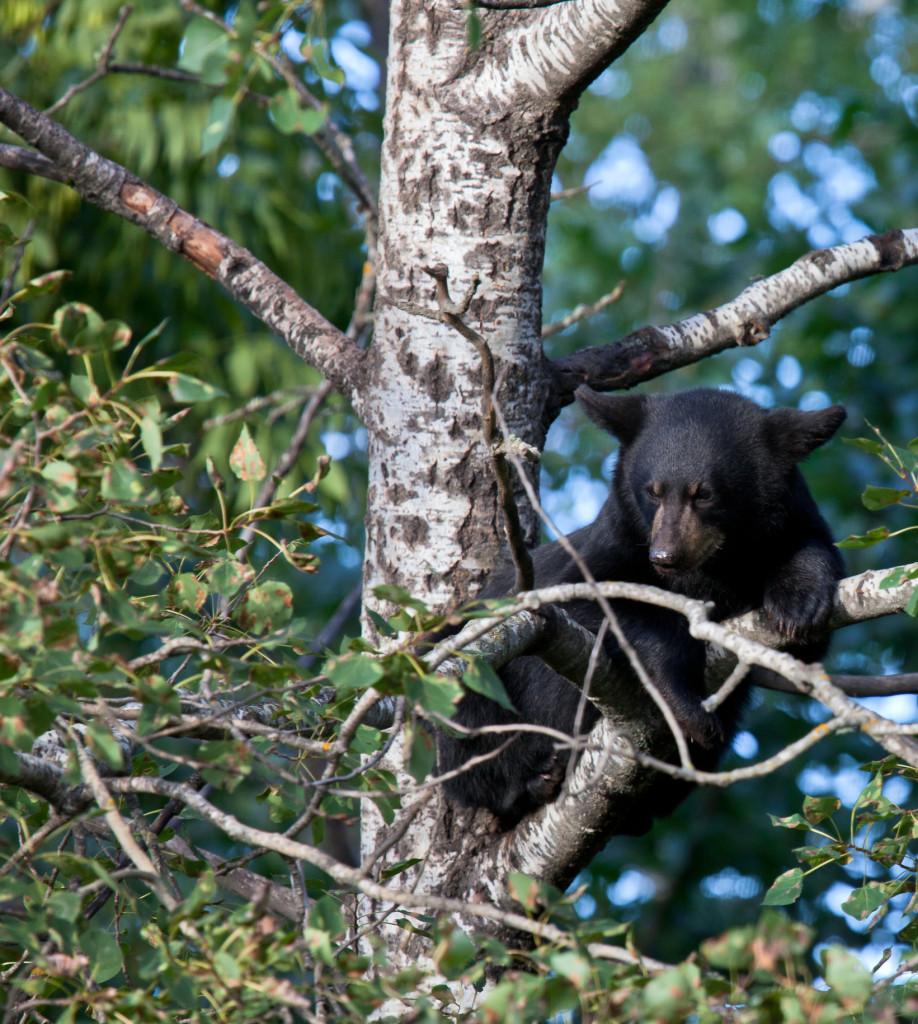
(730, 140)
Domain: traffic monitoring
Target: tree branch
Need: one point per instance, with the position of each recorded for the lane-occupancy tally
(517, 5)
(81, 797)
(553, 53)
(113, 188)
(745, 320)
(18, 158)
(102, 65)
(583, 311)
(624, 749)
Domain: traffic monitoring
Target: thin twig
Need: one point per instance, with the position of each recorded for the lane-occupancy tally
(300, 394)
(8, 282)
(118, 826)
(333, 628)
(35, 840)
(102, 67)
(583, 312)
(451, 313)
(608, 613)
(517, 5)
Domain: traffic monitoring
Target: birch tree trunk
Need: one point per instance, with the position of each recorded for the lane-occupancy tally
(471, 140)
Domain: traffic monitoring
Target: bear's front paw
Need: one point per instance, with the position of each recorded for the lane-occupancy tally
(703, 727)
(543, 787)
(799, 612)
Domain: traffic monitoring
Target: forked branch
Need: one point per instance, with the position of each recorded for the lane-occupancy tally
(111, 187)
(746, 320)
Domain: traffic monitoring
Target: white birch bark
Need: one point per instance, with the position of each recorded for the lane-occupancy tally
(471, 140)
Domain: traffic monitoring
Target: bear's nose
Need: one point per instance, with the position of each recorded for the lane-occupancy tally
(664, 558)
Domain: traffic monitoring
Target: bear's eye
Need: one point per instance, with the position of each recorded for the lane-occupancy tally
(703, 496)
(654, 491)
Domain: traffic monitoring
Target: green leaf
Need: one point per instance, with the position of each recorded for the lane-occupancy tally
(187, 592)
(326, 915)
(875, 498)
(152, 439)
(61, 495)
(9, 762)
(265, 607)
(400, 596)
(393, 870)
(221, 117)
(103, 336)
(473, 30)
(573, 966)
(205, 51)
(673, 994)
(227, 576)
(380, 623)
(482, 678)
(865, 444)
(866, 540)
(188, 390)
(355, 673)
(84, 389)
(422, 753)
(439, 694)
(279, 808)
(290, 116)
(912, 607)
(70, 320)
(847, 977)
(730, 951)
(123, 484)
(786, 889)
(454, 953)
(41, 285)
(795, 821)
(818, 808)
(317, 56)
(893, 579)
(104, 954)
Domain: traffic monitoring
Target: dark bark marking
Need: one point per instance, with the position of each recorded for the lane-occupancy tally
(891, 247)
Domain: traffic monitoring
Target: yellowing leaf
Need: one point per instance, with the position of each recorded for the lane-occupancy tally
(245, 460)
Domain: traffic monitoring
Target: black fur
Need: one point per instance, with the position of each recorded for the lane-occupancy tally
(706, 500)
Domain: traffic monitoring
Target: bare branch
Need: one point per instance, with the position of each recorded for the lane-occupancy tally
(864, 686)
(154, 71)
(517, 5)
(113, 188)
(287, 396)
(583, 312)
(17, 158)
(333, 628)
(745, 320)
(354, 877)
(101, 65)
(857, 599)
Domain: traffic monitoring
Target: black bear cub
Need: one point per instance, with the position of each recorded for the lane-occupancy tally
(706, 500)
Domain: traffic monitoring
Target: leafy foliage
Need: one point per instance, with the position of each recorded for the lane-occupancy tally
(144, 592)
(132, 624)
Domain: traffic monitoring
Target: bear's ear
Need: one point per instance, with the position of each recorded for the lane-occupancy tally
(622, 415)
(793, 433)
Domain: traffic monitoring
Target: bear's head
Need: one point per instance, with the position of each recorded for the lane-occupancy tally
(705, 471)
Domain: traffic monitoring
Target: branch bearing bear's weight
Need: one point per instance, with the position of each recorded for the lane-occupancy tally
(707, 500)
